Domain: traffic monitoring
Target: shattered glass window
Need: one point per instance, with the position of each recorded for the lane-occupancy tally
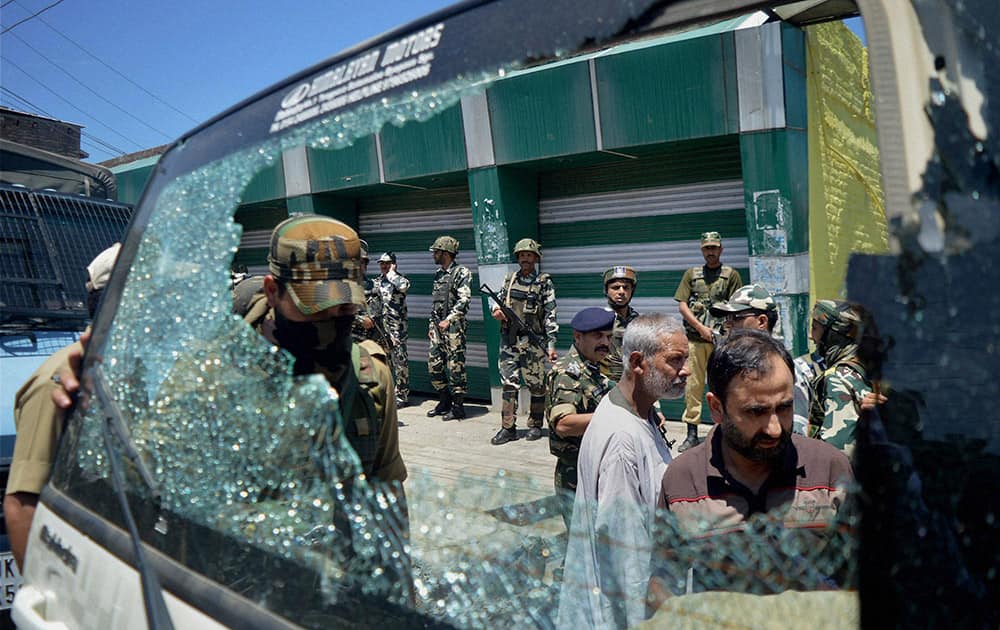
(255, 486)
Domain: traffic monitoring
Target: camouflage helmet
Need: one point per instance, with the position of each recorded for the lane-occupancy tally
(446, 244)
(620, 272)
(749, 297)
(319, 261)
(528, 245)
(838, 316)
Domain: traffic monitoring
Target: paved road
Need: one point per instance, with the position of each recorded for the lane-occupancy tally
(482, 514)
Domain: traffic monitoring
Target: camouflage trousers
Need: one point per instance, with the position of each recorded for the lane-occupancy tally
(565, 486)
(397, 332)
(524, 362)
(446, 360)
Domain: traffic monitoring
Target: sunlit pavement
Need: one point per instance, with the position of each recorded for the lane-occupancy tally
(468, 496)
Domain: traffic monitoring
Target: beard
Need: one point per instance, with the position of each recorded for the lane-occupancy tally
(750, 447)
(658, 385)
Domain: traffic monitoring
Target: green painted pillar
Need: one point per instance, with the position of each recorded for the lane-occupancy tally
(504, 210)
(771, 82)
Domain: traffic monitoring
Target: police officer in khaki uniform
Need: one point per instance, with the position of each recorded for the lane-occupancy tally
(575, 385)
(532, 297)
(698, 290)
(451, 295)
(619, 287)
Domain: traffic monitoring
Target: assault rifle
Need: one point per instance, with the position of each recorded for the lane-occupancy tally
(515, 324)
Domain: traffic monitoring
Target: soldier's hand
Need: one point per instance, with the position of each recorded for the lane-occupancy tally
(367, 323)
(872, 400)
(443, 326)
(553, 355)
(498, 315)
(706, 333)
(69, 379)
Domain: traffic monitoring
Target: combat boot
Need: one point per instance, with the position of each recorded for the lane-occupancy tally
(443, 406)
(457, 411)
(503, 436)
(691, 439)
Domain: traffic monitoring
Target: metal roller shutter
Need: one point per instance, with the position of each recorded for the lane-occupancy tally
(654, 228)
(407, 224)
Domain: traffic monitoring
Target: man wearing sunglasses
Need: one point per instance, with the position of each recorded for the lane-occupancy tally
(750, 307)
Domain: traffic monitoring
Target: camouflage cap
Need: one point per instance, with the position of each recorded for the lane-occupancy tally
(620, 272)
(711, 238)
(319, 259)
(838, 316)
(388, 257)
(751, 296)
(446, 244)
(528, 245)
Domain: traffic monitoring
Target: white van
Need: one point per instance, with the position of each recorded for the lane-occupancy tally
(185, 495)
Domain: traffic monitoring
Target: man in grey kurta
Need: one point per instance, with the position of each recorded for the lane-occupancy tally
(622, 460)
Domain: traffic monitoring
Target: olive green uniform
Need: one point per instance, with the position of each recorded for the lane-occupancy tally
(699, 289)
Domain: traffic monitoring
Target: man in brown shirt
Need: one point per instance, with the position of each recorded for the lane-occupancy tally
(751, 468)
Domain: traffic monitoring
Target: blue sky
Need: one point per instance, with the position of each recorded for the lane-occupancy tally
(172, 64)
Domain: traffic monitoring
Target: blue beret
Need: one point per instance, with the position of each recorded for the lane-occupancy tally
(593, 318)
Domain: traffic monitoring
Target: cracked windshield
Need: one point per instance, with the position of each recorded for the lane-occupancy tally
(555, 343)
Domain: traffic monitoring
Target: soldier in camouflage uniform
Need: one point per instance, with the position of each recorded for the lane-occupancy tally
(450, 299)
(532, 297)
(839, 390)
(619, 287)
(575, 385)
(368, 322)
(392, 288)
(698, 290)
(307, 306)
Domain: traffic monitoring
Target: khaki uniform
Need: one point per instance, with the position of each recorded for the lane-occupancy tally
(533, 299)
(39, 425)
(451, 296)
(699, 289)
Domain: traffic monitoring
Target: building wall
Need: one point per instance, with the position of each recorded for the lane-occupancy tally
(679, 135)
(55, 136)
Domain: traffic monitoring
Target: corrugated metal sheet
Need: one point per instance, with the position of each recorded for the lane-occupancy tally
(475, 353)
(437, 219)
(666, 200)
(421, 262)
(420, 306)
(659, 256)
(568, 307)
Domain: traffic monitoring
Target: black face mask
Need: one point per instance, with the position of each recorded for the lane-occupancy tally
(322, 347)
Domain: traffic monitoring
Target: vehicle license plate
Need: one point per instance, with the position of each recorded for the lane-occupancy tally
(11, 580)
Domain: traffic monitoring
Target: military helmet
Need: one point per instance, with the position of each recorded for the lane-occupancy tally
(838, 316)
(751, 296)
(528, 245)
(364, 249)
(446, 244)
(620, 272)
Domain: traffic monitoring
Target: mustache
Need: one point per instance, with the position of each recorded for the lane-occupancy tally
(604, 348)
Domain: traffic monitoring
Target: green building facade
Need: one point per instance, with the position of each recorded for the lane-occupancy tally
(623, 156)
